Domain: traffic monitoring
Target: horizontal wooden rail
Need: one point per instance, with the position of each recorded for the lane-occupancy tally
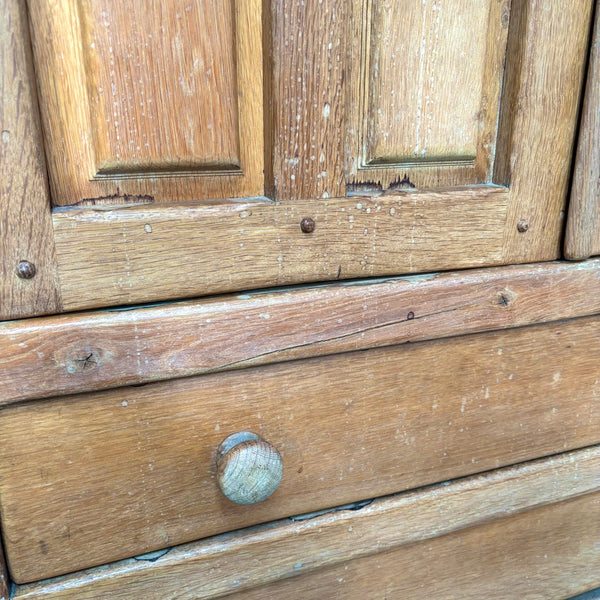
(103, 349)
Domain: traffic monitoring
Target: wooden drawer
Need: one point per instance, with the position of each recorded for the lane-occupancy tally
(97, 477)
(529, 531)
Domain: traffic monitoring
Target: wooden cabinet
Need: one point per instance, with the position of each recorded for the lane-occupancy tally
(446, 147)
(161, 151)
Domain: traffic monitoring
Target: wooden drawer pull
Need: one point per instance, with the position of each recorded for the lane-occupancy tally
(248, 468)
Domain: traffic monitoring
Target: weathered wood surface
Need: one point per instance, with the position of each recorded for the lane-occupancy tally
(583, 223)
(25, 223)
(134, 468)
(404, 123)
(84, 352)
(308, 87)
(545, 554)
(564, 537)
(141, 254)
(543, 81)
(153, 253)
(151, 102)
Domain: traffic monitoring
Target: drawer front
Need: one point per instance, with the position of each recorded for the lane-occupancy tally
(97, 477)
(525, 531)
(549, 553)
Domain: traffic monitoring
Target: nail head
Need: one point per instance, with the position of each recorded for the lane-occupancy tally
(522, 226)
(307, 225)
(26, 270)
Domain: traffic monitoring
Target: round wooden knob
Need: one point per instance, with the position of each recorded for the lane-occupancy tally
(248, 468)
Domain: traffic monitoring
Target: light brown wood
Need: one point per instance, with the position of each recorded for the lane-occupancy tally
(140, 254)
(196, 248)
(88, 351)
(25, 223)
(134, 468)
(248, 558)
(309, 60)
(547, 554)
(538, 119)
(406, 123)
(583, 224)
(151, 102)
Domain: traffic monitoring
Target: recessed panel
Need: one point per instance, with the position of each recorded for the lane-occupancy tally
(150, 101)
(162, 84)
(428, 75)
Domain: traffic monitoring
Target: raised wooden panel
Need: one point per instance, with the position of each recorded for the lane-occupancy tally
(424, 102)
(163, 90)
(134, 468)
(151, 101)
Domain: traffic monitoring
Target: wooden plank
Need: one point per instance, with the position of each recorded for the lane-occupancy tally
(419, 75)
(25, 223)
(136, 466)
(508, 498)
(583, 224)
(545, 64)
(142, 254)
(89, 351)
(309, 56)
(545, 554)
(151, 103)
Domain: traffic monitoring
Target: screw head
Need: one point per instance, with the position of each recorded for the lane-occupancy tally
(26, 270)
(522, 226)
(307, 225)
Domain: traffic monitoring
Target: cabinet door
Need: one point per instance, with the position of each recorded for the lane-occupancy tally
(206, 146)
(583, 225)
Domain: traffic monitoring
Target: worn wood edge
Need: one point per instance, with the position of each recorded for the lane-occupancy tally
(103, 349)
(258, 555)
(151, 253)
(349, 426)
(582, 236)
(538, 122)
(25, 221)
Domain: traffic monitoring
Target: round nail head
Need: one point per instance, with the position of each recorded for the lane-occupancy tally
(307, 225)
(26, 270)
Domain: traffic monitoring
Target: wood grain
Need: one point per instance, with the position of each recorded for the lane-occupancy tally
(150, 104)
(546, 554)
(163, 88)
(142, 254)
(89, 351)
(545, 64)
(25, 224)
(309, 56)
(404, 121)
(503, 501)
(134, 468)
(583, 224)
